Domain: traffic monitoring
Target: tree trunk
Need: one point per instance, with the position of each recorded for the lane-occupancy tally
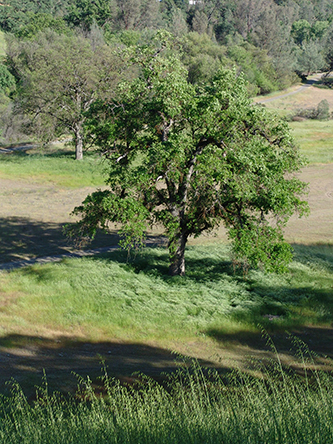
(177, 255)
(78, 142)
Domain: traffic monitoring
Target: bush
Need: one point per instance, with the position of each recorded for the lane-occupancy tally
(322, 112)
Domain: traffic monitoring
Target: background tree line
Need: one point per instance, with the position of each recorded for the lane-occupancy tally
(272, 42)
(275, 37)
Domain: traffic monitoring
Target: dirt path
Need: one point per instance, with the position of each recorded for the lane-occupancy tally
(308, 84)
(17, 148)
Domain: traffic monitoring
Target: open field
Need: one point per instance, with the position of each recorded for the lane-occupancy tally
(131, 314)
(71, 315)
(314, 137)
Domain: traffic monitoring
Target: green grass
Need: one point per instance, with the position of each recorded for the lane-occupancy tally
(108, 297)
(192, 407)
(56, 167)
(314, 138)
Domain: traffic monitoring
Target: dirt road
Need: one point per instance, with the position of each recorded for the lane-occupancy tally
(308, 84)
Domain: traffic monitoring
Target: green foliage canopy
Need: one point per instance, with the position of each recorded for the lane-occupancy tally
(7, 80)
(39, 22)
(190, 158)
(15, 13)
(83, 13)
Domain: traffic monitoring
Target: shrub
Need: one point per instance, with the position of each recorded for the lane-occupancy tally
(322, 112)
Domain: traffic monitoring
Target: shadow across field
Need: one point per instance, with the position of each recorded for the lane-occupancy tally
(319, 340)
(23, 238)
(152, 262)
(26, 358)
(278, 303)
(24, 150)
(281, 305)
(65, 361)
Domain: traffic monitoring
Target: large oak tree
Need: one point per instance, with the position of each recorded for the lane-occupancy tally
(190, 158)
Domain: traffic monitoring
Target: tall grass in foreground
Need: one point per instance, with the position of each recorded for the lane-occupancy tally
(191, 408)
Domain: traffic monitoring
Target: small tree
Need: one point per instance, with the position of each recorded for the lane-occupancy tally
(59, 77)
(190, 157)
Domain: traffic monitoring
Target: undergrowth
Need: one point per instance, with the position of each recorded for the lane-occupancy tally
(191, 406)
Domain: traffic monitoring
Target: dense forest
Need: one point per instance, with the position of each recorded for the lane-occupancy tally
(272, 42)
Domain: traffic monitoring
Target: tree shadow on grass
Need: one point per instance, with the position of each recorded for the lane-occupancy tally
(277, 305)
(317, 341)
(16, 152)
(22, 238)
(26, 358)
(64, 361)
(268, 304)
(322, 254)
(155, 262)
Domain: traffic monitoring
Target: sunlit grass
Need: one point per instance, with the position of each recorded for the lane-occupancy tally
(192, 406)
(137, 301)
(59, 168)
(315, 139)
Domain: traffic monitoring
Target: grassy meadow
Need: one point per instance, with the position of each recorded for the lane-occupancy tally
(53, 165)
(125, 313)
(135, 300)
(314, 137)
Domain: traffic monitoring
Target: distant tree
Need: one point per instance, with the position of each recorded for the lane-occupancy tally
(178, 25)
(83, 13)
(301, 31)
(256, 66)
(38, 22)
(191, 158)
(15, 13)
(319, 29)
(309, 58)
(202, 57)
(7, 80)
(246, 16)
(323, 110)
(7, 86)
(59, 76)
(328, 49)
(200, 22)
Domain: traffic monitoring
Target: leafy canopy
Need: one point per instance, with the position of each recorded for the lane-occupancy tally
(191, 157)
